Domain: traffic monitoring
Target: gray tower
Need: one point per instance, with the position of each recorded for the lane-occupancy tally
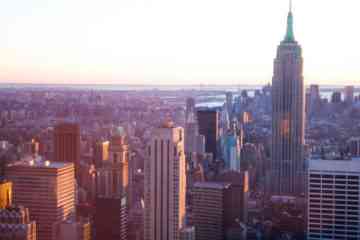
(288, 117)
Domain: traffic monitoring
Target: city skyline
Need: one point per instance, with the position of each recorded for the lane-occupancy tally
(139, 42)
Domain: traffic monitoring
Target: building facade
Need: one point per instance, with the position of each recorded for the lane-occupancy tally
(333, 199)
(5, 193)
(288, 117)
(165, 184)
(208, 121)
(15, 224)
(47, 189)
(67, 143)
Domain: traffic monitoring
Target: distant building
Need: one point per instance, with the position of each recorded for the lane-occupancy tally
(208, 121)
(72, 229)
(5, 193)
(333, 199)
(113, 176)
(100, 153)
(111, 218)
(67, 144)
(229, 104)
(47, 189)
(190, 109)
(194, 143)
(336, 97)
(165, 184)
(15, 224)
(349, 94)
(354, 147)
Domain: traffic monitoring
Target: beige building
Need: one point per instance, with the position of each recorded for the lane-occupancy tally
(47, 189)
(113, 176)
(165, 184)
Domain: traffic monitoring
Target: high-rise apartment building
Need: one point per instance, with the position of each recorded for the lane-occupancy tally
(288, 117)
(67, 144)
(208, 121)
(165, 184)
(15, 224)
(47, 189)
(333, 199)
(5, 193)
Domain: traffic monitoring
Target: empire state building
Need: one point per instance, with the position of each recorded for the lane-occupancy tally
(287, 160)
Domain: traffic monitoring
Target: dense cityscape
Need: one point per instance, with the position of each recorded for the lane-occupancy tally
(279, 161)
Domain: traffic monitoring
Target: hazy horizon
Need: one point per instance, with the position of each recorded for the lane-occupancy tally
(169, 42)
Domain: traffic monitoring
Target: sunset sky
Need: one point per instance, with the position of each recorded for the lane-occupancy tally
(174, 41)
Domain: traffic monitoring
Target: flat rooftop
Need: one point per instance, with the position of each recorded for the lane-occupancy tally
(335, 165)
(214, 185)
(29, 161)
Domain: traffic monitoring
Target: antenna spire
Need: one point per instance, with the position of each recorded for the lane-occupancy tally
(290, 5)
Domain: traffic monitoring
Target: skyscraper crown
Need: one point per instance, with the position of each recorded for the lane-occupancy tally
(289, 37)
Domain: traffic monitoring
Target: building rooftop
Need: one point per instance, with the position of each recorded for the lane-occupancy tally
(214, 185)
(39, 162)
(335, 165)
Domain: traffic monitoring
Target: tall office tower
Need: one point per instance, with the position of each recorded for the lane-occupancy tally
(165, 184)
(229, 104)
(333, 199)
(100, 153)
(211, 205)
(190, 108)
(47, 189)
(67, 144)
(113, 177)
(288, 117)
(5, 193)
(208, 121)
(111, 218)
(71, 229)
(349, 94)
(15, 224)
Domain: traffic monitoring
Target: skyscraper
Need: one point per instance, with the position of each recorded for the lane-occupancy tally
(333, 199)
(67, 143)
(208, 121)
(288, 117)
(112, 178)
(47, 189)
(190, 109)
(165, 184)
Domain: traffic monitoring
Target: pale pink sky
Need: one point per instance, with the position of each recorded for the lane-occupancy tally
(174, 41)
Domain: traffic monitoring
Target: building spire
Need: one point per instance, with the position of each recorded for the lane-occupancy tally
(289, 37)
